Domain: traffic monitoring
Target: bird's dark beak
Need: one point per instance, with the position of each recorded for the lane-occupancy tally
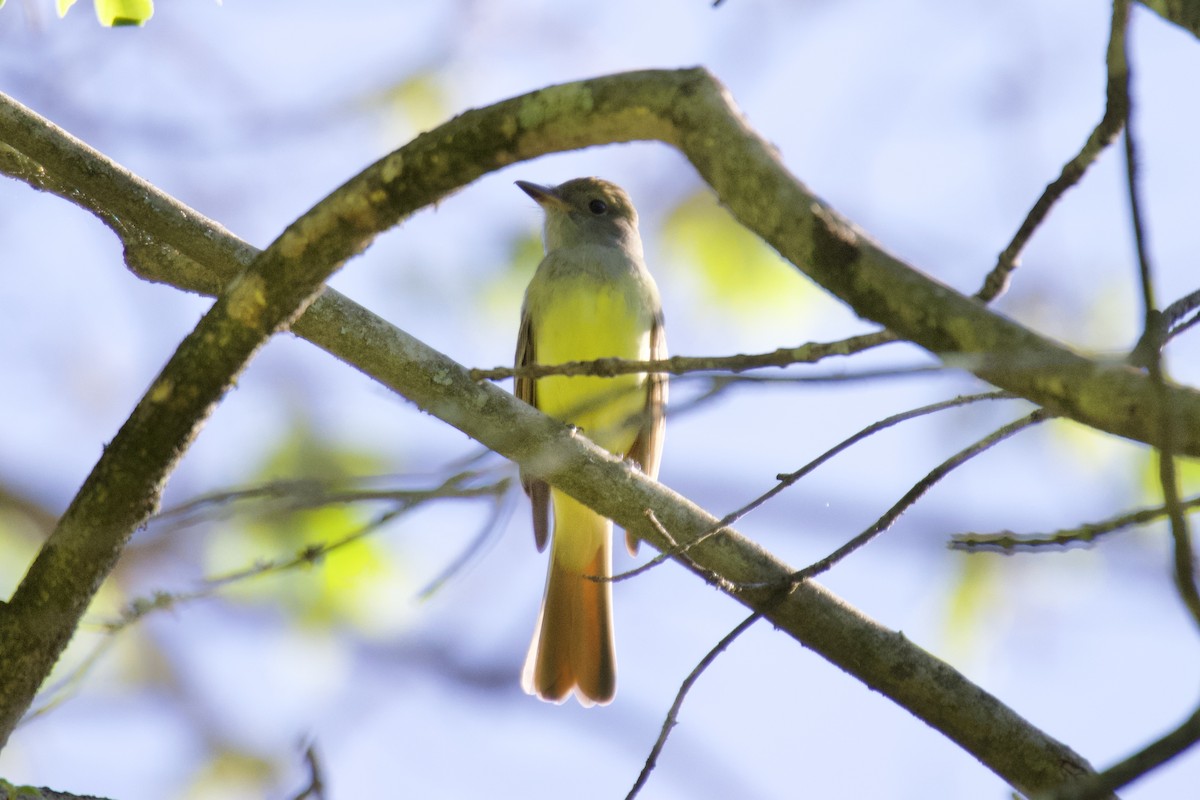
(544, 196)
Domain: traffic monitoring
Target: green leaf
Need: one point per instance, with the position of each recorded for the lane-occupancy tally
(233, 773)
(973, 599)
(113, 13)
(351, 578)
(420, 99)
(1187, 471)
(117, 13)
(738, 269)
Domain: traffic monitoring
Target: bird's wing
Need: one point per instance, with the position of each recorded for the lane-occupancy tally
(647, 447)
(526, 389)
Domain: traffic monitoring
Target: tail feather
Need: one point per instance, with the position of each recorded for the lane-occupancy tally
(572, 648)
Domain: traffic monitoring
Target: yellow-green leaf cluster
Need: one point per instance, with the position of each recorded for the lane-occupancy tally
(320, 561)
(1187, 471)
(115, 13)
(735, 267)
(975, 594)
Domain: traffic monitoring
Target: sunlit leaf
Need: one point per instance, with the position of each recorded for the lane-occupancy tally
(233, 773)
(325, 565)
(419, 100)
(362, 584)
(304, 454)
(116, 13)
(969, 601)
(113, 13)
(333, 576)
(735, 266)
(1094, 451)
(1187, 471)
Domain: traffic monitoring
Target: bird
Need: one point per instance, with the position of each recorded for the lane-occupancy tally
(590, 297)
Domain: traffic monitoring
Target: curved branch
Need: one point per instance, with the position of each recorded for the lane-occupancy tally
(690, 110)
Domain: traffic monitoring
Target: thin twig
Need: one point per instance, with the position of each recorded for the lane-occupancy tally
(1185, 559)
(501, 512)
(1185, 555)
(1008, 542)
(1152, 756)
(316, 780)
(139, 608)
(1164, 326)
(1179, 308)
(919, 489)
(719, 384)
(678, 365)
(788, 479)
(308, 493)
(673, 714)
(1101, 137)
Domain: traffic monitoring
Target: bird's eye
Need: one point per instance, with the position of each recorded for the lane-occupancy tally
(598, 207)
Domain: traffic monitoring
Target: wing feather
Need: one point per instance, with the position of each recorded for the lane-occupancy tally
(526, 389)
(646, 451)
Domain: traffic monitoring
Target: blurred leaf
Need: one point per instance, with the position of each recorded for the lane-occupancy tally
(501, 295)
(1186, 469)
(115, 13)
(303, 453)
(1109, 322)
(1094, 452)
(232, 774)
(420, 100)
(971, 599)
(364, 585)
(735, 266)
(359, 582)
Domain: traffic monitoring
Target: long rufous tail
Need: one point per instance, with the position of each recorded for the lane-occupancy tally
(572, 647)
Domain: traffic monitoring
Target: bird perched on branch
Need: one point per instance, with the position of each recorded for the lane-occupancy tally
(591, 297)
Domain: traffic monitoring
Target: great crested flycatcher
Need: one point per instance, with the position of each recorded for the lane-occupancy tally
(591, 297)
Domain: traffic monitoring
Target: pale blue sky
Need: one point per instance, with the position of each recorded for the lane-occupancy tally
(933, 127)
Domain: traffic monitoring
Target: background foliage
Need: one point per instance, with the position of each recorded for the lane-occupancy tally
(933, 128)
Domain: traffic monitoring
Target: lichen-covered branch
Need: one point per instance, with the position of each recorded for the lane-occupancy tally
(9, 791)
(687, 109)
(690, 110)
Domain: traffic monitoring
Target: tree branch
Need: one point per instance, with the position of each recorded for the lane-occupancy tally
(125, 485)
(1184, 13)
(10, 792)
(1011, 542)
(679, 365)
(691, 111)
(1124, 772)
